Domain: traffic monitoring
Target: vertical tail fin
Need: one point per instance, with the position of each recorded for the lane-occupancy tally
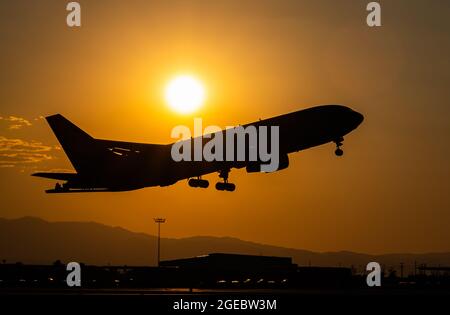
(78, 145)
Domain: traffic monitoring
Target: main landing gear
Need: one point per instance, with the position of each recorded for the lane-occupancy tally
(225, 185)
(203, 183)
(338, 150)
(198, 182)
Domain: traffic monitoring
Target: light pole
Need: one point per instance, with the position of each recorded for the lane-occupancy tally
(159, 221)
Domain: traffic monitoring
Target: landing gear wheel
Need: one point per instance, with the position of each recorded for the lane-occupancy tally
(220, 186)
(339, 152)
(193, 182)
(203, 183)
(230, 187)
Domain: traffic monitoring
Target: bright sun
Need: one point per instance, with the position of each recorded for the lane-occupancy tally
(185, 94)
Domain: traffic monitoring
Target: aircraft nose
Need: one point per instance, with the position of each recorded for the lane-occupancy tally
(358, 118)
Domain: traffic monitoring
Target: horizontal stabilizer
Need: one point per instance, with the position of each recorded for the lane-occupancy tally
(65, 191)
(58, 176)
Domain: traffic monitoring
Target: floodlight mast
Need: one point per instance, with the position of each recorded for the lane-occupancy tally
(159, 221)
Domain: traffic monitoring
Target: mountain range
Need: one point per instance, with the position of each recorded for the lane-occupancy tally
(32, 240)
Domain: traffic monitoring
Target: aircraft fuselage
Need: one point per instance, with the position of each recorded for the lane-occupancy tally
(104, 165)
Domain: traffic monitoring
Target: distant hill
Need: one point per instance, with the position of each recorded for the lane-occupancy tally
(35, 241)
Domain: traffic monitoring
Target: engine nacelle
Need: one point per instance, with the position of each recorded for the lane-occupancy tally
(253, 167)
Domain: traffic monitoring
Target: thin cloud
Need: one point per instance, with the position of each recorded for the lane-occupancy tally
(18, 152)
(16, 122)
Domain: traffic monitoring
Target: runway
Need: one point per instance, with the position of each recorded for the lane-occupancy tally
(223, 292)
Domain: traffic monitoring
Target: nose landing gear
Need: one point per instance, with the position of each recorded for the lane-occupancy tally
(339, 151)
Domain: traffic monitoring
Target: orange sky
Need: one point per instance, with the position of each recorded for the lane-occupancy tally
(257, 59)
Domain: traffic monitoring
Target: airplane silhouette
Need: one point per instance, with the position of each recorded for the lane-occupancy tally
(106, 165)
